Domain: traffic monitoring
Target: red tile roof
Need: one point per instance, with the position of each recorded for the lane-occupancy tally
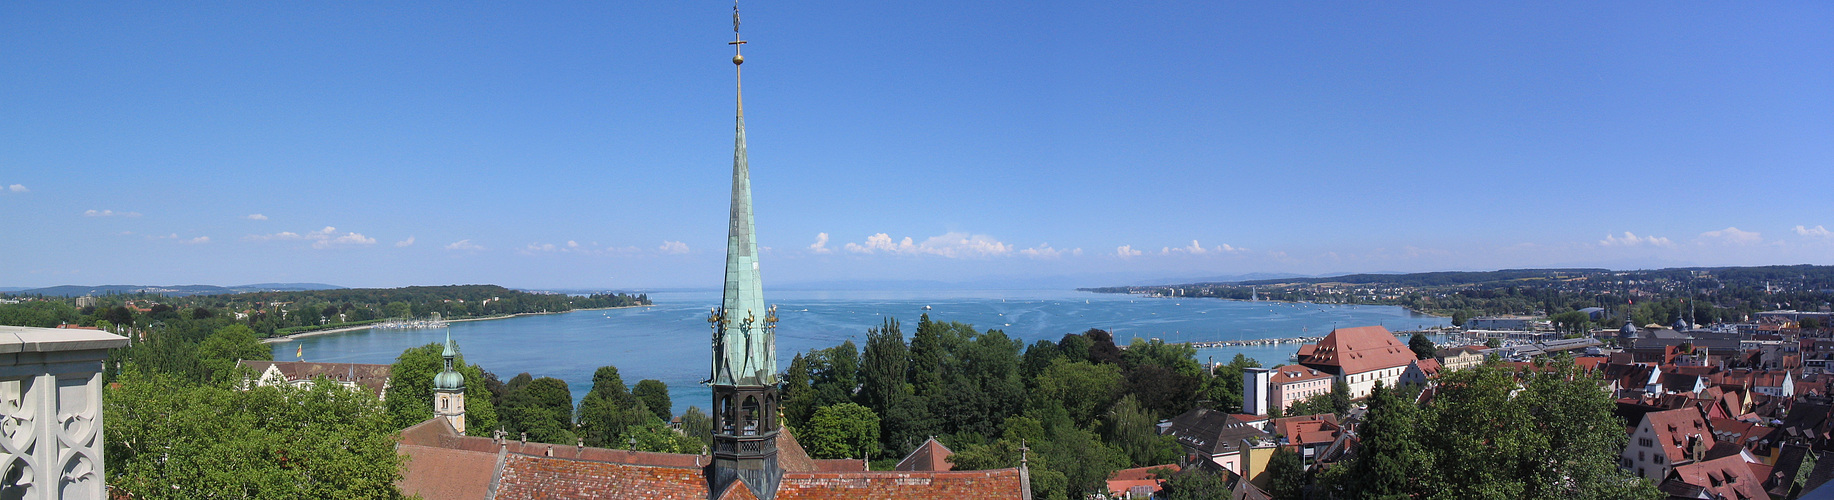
(1674, 429)
(997, 483)
(1725, 477)
(1145, 478)
(1358, 350)
(1309, 429)
(454, 466)
(930, 456)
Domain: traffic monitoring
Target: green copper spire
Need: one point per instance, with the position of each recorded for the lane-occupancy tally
(449, 380)
(745, 342)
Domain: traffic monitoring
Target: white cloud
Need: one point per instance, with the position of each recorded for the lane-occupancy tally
(1196, 249)
(198, 240)
(1125, 251)
(346, 239)
(1816, 232)
(172, 236)
(109, 213)
(255, 217)
(321, 239)
(821, 244)
(1732, 236)
(406, 242)
(673, 247)
(1631, 240)
(17, 188)
(572, 244)
(465, 244)
(953, 245)
(1044, 251)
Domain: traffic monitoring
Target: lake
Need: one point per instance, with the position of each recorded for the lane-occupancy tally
(671, 341)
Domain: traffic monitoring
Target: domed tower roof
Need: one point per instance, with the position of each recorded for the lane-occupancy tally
(1629, 330)
(448, 380)
(1681, 324)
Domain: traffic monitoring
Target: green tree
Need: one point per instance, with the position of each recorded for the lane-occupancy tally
(1081, 388)
(698, 425)
(543, 409)
(1809, 323)
(655, 394)
(1391, 461)
(653, 436)
(1340, 396)
(1134, 430)
(1423, 347)
(798, 390)
(846, 430)
(885, 367)
(171, 439)
(219, 353)
(608, 410)
(1224, 389)
(1493, 343)
(1285, 475)
(1194, 484)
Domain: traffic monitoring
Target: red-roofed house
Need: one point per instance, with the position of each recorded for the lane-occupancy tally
(1666, 439)
(1727, 477)
(1360, 356)
(1308, 435)
(1294, 383)
(1138, 482)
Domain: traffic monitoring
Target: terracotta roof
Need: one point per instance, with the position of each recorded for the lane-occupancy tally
(454, 466)
(1358, 350)
(929, 456)
(1428, 366)
(1309, 429)
(1727, 477)
(997, 483)
(1674, 429)
(1143, 481)
(534, 477)
(1295, 373)
(433, 472)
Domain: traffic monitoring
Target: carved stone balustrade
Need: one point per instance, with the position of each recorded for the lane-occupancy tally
(51, 412)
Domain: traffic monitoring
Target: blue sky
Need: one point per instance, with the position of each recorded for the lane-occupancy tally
(588, 144)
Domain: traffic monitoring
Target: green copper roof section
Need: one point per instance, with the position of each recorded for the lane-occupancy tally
(746, 350)
(449, 380)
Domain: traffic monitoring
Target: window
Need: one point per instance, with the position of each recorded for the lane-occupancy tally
(1646, 442)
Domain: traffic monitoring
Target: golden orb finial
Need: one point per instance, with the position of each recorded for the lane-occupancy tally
(737, 60)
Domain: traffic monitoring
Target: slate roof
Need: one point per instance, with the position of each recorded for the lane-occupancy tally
(931, 455)
(1212, 432)
(1358, 350)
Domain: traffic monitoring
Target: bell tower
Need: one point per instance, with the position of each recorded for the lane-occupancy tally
(744, 378)
(449, 389)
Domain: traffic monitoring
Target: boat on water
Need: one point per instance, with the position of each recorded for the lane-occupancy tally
(926, 308)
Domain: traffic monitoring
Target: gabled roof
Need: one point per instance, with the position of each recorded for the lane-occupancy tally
(1212, 432)
(1678, 429)
(1309, 429)
(1358, 350)
(1295, 373)
(930, 456)
(1726, 477)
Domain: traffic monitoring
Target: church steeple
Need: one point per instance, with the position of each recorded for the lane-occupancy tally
(744, 371)
(449, 389)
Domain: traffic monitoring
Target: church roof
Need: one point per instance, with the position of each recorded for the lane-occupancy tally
(931, 455)
(454, 466)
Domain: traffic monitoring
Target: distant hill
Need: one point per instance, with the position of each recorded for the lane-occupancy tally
(170, 290)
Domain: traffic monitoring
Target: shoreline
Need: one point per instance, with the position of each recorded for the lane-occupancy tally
(1409, 309)
(314, 333)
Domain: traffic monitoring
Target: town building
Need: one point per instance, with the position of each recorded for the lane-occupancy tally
(1217, 437)
(1666, 439)
(1503, 323)
(1309, 435)
(1459, 358)
(1360, 357)
(369, 377)
(1283, 386)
